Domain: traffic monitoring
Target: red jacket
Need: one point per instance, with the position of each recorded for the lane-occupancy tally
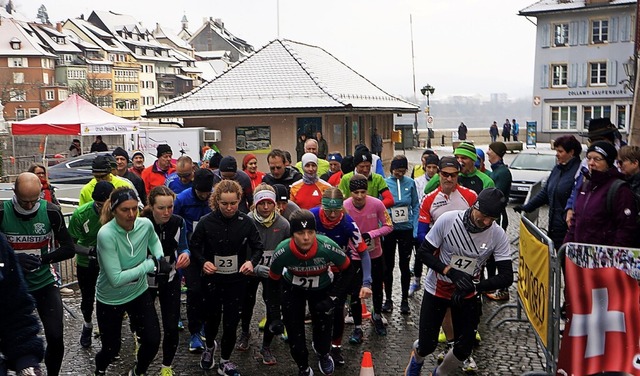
(153, 177)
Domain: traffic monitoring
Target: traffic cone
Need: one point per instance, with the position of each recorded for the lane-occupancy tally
(366, 367)
(365, 314)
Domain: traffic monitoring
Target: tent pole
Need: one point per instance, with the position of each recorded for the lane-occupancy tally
(44, 151)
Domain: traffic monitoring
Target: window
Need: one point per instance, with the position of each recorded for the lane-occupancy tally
(17, 62)
(599, 31)
(49, 95)
(105, 101)
(127, 104)
(76, 74)
(559, 78)
(18, 78)
(598, 73)
(33, 112)
(560, 35)
(622, 116)
(18, 95)
(63, 94)
(45, 78)
(594, 112)
(20, 114)
(564, 117)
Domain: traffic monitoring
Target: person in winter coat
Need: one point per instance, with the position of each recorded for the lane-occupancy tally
(591, 222)
(506, 131)
(462, 132)
(250, 167)
(48, 191)
(558, 188)
(493, 131)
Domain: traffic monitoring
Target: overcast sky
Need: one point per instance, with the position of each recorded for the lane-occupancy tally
(462, 47)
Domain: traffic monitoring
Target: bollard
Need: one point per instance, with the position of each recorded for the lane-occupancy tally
(442, 144)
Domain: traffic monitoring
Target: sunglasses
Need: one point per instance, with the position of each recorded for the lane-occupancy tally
(185, 175)
(449, 174)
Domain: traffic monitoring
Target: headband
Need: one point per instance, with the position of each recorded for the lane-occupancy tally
(331, 203)
(264, 195)
(119, 197)
(355, 184)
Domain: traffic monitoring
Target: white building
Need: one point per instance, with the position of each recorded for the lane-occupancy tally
(584, 49)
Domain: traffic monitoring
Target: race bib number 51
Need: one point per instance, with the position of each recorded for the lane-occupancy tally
(464, 264)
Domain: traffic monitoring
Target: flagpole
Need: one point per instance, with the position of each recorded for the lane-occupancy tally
(416, 139)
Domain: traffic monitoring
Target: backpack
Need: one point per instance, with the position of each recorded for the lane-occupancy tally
(611, 195)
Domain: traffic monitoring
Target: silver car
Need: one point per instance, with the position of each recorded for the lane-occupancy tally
(529, 167)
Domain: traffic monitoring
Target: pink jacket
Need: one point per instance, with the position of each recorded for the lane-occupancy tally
(373, 219)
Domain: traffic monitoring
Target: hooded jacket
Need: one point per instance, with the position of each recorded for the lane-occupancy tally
(405, 195)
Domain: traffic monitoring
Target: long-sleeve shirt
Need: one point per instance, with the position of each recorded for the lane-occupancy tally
(373, 219)
(404, 212)
(377, 188)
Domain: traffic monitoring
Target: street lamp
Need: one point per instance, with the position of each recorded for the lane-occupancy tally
(630, 72)
(427, 90)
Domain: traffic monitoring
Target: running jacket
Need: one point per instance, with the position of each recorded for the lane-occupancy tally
(404, 212)
(84, 226)
(153, 177)
(373, 219)
(87, 190)
(477, 181)
(377, 188)
(191, 208)
(228, 243)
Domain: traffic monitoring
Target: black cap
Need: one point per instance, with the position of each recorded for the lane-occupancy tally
(282, 194)
(362, 155)
(120, 152)
(101, 165)
(101, 191)
(228, 164)
(163, 149)
(449, 162)
(491, 202)
(203, 180)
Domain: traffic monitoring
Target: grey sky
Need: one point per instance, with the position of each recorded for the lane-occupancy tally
(462, 47)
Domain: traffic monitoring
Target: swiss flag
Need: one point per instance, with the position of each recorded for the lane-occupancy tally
(603, 330)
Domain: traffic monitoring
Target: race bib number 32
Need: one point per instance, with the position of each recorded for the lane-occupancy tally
(400, 214)
(226, 264)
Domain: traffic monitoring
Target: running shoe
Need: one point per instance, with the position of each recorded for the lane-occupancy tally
(378, 325)
(306, 372)
(444, 352)
(326, 365)
(336, 354)
(469, 365)
(415, 286)
(267, 356)
(387, 306)
(442, 338)
(228, 369)
(414, 368)
(202, 334)
(132, 372)
(243, 342)
(166, 371)
(499, 295)
(404, 307)
(262, 323)
(284, 336)
(196, 344)
(85, 337)
(206, 359)
(356, 336)
(348, 319)
(478, 338)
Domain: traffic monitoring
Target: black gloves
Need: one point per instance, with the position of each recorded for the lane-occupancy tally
(29, 262)
(162, 266)
(366, 238)
(92, 253)
(326, 306)
(276, 327)
(518, 208)
(463, 281)
(457, 298)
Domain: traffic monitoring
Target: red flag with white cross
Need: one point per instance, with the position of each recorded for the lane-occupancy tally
(603, 331)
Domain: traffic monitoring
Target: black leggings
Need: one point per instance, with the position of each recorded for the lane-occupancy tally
(294, 301)
(143, 317)
(87, 277)
(222, 302)
(49, 306)
(194, 297)
(338, 313)
(417, 265)
(169, 295)
(250, 302)
(377, 276)
(465, 321)
(404, 240)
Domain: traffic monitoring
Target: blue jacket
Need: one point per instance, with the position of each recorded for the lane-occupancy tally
(404, 194)
(555, 194)
(191, 208)
(174, 183)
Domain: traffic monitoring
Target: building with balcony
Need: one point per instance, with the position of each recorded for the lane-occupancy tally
(584, 49)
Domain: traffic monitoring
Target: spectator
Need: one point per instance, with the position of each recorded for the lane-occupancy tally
(323, 148)
(250, 167)
(376, 143)
(515, 130)
(506, 131)
(493, 131)
(48, 191)
(98, 145)
(462, 132)
(74, 149)
(629, 162)
(157, 173)
(300, 146)
(122, 170)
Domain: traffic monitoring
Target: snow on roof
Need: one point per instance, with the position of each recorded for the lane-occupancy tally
(285, 75)
(14, 30)
(46, 32)
(163, 32)
(544, 6)
(98, 36)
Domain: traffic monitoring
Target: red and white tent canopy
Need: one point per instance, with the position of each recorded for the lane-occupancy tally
(75, 116)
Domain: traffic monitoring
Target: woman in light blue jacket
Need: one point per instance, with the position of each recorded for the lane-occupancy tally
(404, 214)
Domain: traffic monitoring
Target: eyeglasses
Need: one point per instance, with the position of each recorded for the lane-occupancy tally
(595, 159)
(185, 174)
(449, 174)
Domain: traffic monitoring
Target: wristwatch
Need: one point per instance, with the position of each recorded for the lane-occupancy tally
(30, 371)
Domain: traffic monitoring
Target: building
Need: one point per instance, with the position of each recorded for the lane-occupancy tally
(584, 49)
(213, 36)
(283, 90)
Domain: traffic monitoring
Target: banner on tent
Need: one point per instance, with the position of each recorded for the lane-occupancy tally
(106, 129)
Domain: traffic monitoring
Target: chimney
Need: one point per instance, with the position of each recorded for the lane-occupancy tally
(59, 27)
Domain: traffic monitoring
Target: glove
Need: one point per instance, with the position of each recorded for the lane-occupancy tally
(28, 262)
(463, 281)
(92, 253)
(276, 327)
(366, 238)
(162, 266)
(326, 306)
(457, 298)
(518, 208)
(261, 271)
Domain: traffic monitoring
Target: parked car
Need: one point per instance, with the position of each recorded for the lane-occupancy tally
(529, 167)
(77, 170)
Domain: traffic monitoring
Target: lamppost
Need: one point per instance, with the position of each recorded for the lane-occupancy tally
(428, 90)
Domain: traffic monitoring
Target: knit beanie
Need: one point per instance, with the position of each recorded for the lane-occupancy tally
(163, 149)
(101, 165)
(228, 164)
(335, 157)
(137, 152)
(362, 155)
(499, 148)
(120, 152)
(491, 202)
(309, 158)
(480, 159)
(208, 155)
(432, 159)
(247, 158)
(606, 149)
(302, 220)
(102, 191)
(466, 149)
(282, 195)
(203, 180)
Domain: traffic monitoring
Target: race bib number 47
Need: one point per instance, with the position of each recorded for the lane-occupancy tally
(464, 264)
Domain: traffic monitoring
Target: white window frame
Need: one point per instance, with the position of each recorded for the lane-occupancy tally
(18, 77)
(566, 117)
(593, 112)
(600, 76)
(560, 35)
(559, 74)
(600, 31)
(33, 112)
(50, 95)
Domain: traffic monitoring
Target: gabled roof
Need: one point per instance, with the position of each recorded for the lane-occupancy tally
(163, 32)
(284, 76)
(46, 32)
(242, 47)
(14, 30)
(97, 36)
(547, 6)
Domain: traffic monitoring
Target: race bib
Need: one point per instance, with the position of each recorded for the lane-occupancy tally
(226, 264)
(464, 264)
(267, 257)
(400, 214)
(310, 282)
(36, 252)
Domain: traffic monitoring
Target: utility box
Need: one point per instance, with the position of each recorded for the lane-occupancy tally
(406, 141)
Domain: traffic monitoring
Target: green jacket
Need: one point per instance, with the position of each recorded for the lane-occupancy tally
(476, 181)
(83, 227)
(501, 176)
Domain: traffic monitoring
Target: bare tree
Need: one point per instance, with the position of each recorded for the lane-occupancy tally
(93, 89)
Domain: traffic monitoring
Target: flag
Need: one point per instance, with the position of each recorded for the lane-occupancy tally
(603, 326)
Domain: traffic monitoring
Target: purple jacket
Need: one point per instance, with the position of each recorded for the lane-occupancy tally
(591, 222)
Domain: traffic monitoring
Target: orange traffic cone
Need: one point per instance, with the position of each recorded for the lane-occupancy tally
(366, 367)
(365, 314)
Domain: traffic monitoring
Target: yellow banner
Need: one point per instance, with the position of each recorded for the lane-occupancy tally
(533, 281)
